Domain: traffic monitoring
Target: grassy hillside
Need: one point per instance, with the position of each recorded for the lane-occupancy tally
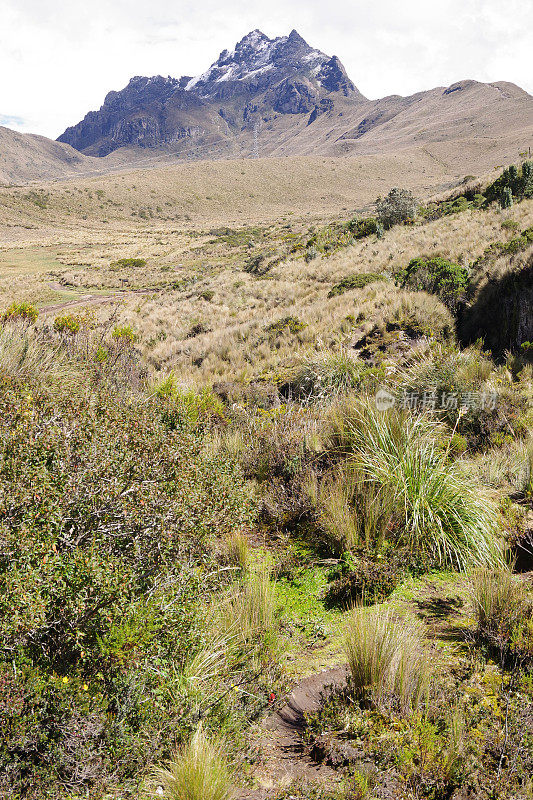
(237, 454)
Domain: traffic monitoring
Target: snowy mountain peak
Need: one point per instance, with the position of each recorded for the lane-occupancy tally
(258, 60)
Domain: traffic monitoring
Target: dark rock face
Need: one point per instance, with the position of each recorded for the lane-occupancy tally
(295, 96)
(259, 78)
(502, 313)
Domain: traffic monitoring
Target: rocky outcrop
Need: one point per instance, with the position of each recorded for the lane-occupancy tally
(502, 312)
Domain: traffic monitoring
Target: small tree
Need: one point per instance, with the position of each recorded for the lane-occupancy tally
(506, 199)
(397, 207)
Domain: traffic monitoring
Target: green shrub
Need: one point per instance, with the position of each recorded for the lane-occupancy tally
(109, 512)
(399, 206)
(363, 227)
(506, 197)
(437, 276)
(23, 311)
(67, 323)
(128, 263)
(367, 581)
(285, 324)
(513, 182)
(358, 281)
(124, 334)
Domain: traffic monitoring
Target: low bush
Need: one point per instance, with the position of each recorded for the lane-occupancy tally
(365, 582)
(285, 324)
(21, 311)
(358, 281)
(128, 263)
(399, 206)
(518, 181)
(437, 276)
(68, 324)
(109, 512)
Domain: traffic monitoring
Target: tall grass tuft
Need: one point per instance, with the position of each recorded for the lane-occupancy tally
(238, 552)
(28, 355)
(351, 512)
(388, 660)
(199, 771)
(248, 616)
(438, 508)
(500, 603)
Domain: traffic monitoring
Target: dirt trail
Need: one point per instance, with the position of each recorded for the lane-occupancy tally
(281, 737)
(91, 299)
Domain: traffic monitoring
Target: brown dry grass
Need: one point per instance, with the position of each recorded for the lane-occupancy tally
(77, 229)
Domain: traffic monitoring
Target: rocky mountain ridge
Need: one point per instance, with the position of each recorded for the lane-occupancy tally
(259, 79)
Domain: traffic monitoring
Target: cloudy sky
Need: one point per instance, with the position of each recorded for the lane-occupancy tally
(58, 59)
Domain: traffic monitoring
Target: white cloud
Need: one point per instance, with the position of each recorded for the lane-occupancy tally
(58, 59)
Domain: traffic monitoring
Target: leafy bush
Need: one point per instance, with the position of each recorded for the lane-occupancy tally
(363, 227)
(513, 182)
(125, 334)
(23, 311)
(447, 280)
(128, 263)
(108, 509)
(397, 207)
(358, 281)
(67, 323)
(367, 581)
(388, 660)
(285, 324)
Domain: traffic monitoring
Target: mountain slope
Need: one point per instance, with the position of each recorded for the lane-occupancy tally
(27, 157)
(283, 97)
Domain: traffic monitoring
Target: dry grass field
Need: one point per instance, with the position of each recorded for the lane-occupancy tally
(196, 306)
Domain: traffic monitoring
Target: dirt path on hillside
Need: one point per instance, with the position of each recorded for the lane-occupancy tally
(281, 739)
(91, 299)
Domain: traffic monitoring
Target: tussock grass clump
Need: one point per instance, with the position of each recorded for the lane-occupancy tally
(199, 771)
(438, 509)
(504, 615)
(358, 281)
(26, 354)
(247, 616)
(499, 602)
(327, 374)
(238, 551)
(388, 660)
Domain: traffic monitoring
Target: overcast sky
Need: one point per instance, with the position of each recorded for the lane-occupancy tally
(59, 59)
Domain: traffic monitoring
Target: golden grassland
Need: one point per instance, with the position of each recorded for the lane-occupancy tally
(195, 307)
